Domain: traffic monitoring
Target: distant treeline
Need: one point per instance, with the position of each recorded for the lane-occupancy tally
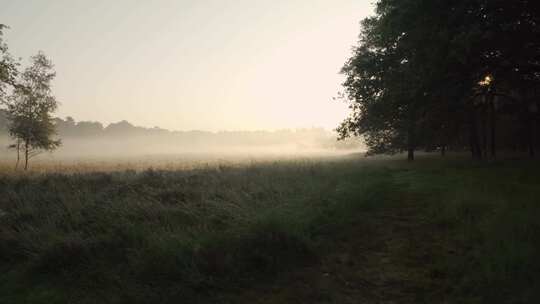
(124, 131)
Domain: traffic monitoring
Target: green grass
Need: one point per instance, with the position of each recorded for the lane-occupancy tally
(191, 235)
(490, 214)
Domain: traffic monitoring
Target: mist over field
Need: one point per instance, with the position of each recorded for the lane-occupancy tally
(269, 152)
(124, 142)
(90, 140)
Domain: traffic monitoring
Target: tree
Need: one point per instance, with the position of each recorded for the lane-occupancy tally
(8, 68)
(384, 83)
(30, 109)
(418, 77)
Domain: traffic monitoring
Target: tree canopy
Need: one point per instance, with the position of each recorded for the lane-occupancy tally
(8, 67)
(435, 74)
(28, 102)
(30, 109)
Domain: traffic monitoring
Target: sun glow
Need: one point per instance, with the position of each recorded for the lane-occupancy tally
(205, 65)
(486, 82)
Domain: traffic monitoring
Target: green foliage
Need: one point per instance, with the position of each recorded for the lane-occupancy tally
(413, 81)
(8, 67)
(489, 214)
(29, 103)
(30, 109)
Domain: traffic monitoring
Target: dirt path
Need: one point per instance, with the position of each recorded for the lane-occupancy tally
(381, 259)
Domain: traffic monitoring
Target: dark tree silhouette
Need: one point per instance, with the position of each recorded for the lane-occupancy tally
(446, 74)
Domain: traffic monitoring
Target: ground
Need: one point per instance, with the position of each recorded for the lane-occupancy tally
(339, 230)
(381, 260)
(381, 257)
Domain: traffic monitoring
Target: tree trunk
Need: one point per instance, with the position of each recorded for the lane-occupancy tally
(26, 156)
(532, 137)
(493, 126)
(410, 154)
(471, 146)
(18, 154)
(443, 150)
(484, 132)
(410, 141)
(476, 149)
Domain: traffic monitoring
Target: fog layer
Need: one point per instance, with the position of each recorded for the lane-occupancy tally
(122, 139)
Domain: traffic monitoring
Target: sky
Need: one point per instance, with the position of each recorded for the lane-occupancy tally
(192, 64)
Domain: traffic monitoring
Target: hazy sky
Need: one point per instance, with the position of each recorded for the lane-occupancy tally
(192, 64)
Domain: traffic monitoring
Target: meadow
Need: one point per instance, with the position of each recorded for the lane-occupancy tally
(299, 230)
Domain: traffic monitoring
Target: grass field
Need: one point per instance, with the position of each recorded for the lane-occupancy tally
(332, 230)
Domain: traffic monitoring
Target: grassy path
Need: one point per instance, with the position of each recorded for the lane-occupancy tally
(382, 258)
(448, 234)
